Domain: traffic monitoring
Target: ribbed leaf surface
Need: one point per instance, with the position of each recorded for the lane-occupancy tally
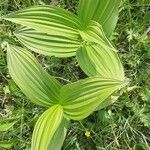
(55, 30)
(34, 82)
(46, 127)
(98, 56)
(103, 11)
(47, 19)
(81, 98)
(94, 34)
(59, 136)
(47, 44)
(98, 60)
(107, 102)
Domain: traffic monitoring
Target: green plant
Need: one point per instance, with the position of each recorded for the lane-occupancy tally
(72, 101)
(54, 31)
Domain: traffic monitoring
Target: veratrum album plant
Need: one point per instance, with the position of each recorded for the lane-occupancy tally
(56, 32)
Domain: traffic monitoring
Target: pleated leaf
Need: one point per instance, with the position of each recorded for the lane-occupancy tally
(98, 56)
(97, 60)
(34, 82)
(55, 30)
(59, 136)
(47, 19)
(107, 102)
(81, 98)
(48, 125)
(103, 11)
(47, 44)
(94, 33)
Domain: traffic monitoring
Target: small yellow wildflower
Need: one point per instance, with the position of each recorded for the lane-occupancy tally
(87, 134)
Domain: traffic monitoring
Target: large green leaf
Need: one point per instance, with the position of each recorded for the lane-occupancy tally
(94, 33)
(55, 30)
(97, 60)
(47, 19)
(59, 136)
(47, 44)
(49, 123)
(97, 56)
(103, 11)
(113, 98)
(107, 102)
(34, 82)
(81, 98)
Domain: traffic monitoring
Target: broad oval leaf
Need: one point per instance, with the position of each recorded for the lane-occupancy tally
(46, 127)
(99, 60)
(47, 19)
(34, 82)
(59, 136)
(47, 44)
(103, 11)
(81, 98)
(97, 56)
(55, 30)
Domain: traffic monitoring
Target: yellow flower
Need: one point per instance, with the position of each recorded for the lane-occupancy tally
(87, 134)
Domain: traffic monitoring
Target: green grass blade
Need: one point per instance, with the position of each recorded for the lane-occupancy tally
(6, 144)
(34, 82)
(47, 19)
(5, 126)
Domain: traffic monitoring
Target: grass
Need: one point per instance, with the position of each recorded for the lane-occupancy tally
(125, 125)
